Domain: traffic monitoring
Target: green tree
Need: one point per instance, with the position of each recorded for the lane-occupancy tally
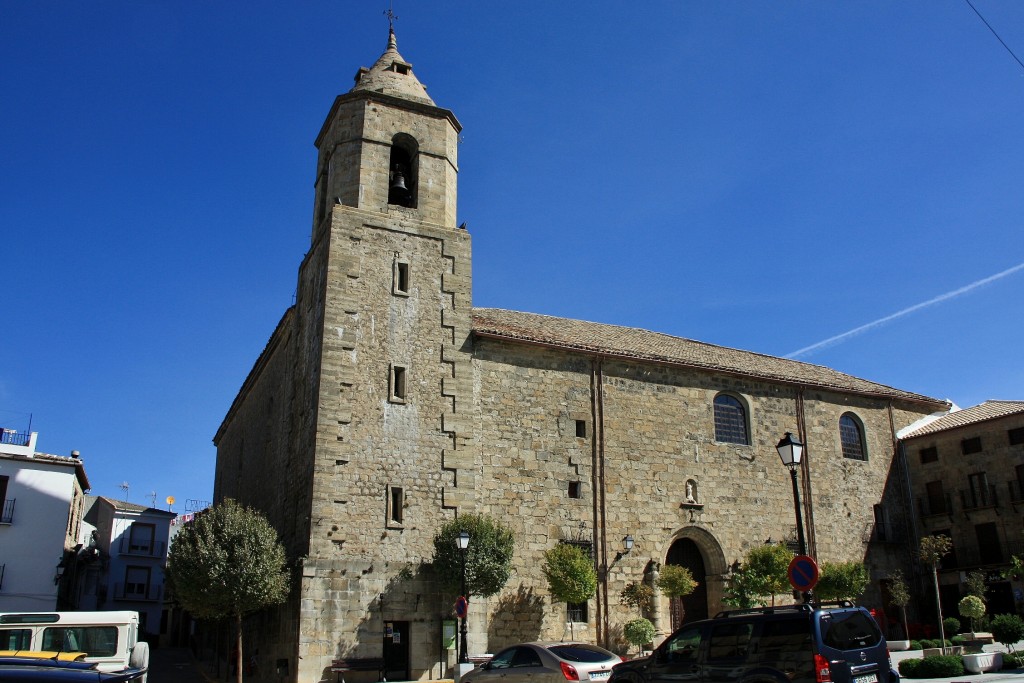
(760, 577)
(488, 557)
(1016, 568)
(639, 596)
(676, 581)
(842, 581)
(972, 607)
(931, 551)
(638, 632)
(570, 573)
(899, 593)
(226, 563)
(974, 585)
(1007, 629)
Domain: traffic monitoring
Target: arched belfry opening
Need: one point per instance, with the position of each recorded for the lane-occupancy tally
(403, 171)
(699, 551)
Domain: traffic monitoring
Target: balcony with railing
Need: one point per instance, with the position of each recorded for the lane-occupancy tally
(7, 511)
(14, 442)
(979, 498)
(141, 548)
(935, 505)
(137, 592)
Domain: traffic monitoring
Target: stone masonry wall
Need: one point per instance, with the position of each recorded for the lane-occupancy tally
(658, 433)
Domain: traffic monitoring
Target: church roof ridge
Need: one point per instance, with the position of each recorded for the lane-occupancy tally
(645, 345)
(391, 74)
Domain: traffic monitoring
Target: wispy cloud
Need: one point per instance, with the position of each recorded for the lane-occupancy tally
(906, 311)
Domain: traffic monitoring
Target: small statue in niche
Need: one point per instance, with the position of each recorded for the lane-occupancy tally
(690, 498)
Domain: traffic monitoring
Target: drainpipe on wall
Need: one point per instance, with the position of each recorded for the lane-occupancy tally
(805, 466)
(597, 475)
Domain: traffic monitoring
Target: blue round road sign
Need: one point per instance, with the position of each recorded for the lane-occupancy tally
(461, 607)
(803, 573)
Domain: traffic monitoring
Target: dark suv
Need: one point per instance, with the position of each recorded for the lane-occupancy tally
(833, 643)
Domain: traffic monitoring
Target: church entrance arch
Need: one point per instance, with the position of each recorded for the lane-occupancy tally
(697, 550)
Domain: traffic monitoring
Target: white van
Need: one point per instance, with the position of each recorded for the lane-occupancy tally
(111, 639)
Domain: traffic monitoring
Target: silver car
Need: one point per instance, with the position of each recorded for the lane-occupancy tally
(546, 663)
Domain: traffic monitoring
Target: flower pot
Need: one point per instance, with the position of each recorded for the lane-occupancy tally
(985, 661)
(898, 645)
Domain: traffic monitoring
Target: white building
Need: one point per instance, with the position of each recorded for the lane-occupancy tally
(40, 516)
(129, 575)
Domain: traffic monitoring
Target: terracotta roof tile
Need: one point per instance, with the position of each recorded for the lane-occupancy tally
(989, 410)
(629, 342)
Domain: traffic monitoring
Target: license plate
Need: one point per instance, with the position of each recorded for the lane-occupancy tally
(871, 678)
(601, 675)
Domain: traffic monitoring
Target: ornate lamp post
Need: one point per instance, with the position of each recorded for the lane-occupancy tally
(463, 542)
(791, 451)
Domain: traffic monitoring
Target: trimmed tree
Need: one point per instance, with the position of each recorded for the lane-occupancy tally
(638, 632)
(761, 576)
(842, 581)
(973, 608)
(1007, 629)
(974, 584)
(676, 581)
(931, 551)
(488, 557)
(227, 563)
(639, 596)
(571, 575)
(899, 593)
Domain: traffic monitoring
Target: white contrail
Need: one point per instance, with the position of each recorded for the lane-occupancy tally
(906, 311)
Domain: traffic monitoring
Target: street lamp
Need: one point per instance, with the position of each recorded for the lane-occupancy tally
(463, 543)
(791, 451)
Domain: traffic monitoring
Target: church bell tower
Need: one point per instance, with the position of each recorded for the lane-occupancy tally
(383, 314)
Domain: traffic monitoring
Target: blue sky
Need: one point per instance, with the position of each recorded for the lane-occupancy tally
(760, 175)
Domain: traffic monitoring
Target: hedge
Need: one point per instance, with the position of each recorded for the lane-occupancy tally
(936, 666)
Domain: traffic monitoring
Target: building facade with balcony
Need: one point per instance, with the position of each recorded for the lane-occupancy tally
(967, 477)
(131, 542)
(41, 498)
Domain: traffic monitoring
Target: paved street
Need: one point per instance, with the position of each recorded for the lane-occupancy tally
(175, 665)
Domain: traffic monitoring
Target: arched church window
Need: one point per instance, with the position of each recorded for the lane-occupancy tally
(403, 171)
(851, 434)
(730, 420)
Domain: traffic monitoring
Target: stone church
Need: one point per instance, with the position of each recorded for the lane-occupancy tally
(385, 404)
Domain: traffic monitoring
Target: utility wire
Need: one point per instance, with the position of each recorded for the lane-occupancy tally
(1002, 42)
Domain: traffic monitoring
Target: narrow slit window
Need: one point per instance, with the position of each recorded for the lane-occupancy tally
(401, 279)
(581, 429)
(396, 505)
(398, 382)
(574, 489)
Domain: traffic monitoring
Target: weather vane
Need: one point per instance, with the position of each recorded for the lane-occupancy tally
(390, 14)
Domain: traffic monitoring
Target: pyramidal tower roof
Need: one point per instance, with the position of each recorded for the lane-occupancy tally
(392, 75)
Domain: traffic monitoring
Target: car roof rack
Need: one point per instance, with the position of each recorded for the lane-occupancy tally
(783, 609)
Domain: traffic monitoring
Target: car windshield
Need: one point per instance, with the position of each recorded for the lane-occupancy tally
(577, 652)
(849, 630)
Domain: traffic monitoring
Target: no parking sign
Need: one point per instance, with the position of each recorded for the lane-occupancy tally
(803, 573)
